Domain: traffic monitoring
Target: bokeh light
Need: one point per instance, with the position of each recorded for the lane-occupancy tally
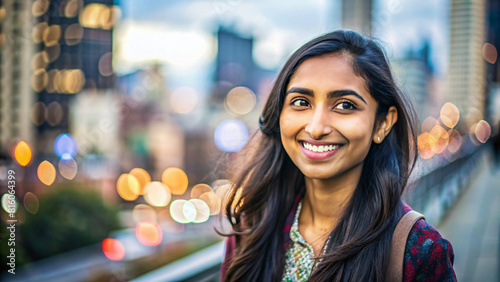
(54, 113)
(427, 145)
(113, 249)
(73, 34)
(490, 53)
(65, 146)
(428, 123)
(38, 31)
(240, 100)
(68, 168)
(482, 131)
(22, 153)
(39, 80)
(97, 16)
(51, 35)
(149, 233)
(199, 189)
(168, 224)
(474, 115)
(455, 141)
(157, 194)
(177, 211)
(37, 115)
(231, 135)
(39, 61)
(202, 211)
(39, 7)
(183, 100)
(53, 52)
(105, 64)
(449, 115)
(31, 203)
(142, 212)
(46, 173)
(143, 178)
(175, 179)
(128, 187)
(72, 8)
(213, 202)
(440, 135)
(9, 203)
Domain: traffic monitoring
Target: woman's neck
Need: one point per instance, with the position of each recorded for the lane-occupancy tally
(325, 200)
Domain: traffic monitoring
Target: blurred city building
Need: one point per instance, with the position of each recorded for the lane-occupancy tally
(357, 15)
(466, 77)
(16, 94)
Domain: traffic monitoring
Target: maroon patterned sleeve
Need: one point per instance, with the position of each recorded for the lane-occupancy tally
(428, 256)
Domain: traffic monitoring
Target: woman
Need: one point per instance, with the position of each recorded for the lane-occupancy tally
(321, 186)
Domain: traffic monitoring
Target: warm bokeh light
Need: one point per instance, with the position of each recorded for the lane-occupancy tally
(39, 7)
(99, 16)
(231, 135)
(54, 113)
(68, 168)
(38, 31)
(455, 141)
(72, 8)
(113, 249)
(199, 189)
(69, 81)
(482, 130)
(149, 233)
(427, 145)
(441, 137)
(9, 203)
(183, 100)
(46, 173)
(240, 100)
(177, 211)
(37, 114)
(213, 202)
(157, 194)
(105, 64)
(31, 203)
(143, 178)
(449, 115)
(39, 61)
(428, 123)
(51, 35)
(222, 191)
(22, 153)
(53, 52)
(143, 212)
(490, 53)
(128, 187)
(39, 80)
(175, 179)
(202, 211)
(73, 34)
(65, 146)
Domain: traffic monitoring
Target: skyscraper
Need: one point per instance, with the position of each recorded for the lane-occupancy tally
(357, 15)
(16, 95)
(466, 84)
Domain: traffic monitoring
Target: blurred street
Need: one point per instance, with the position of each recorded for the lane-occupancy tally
(472, 226)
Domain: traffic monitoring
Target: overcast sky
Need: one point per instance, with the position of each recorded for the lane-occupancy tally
(279, 27)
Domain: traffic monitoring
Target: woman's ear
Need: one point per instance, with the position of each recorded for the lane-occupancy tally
(384, 126)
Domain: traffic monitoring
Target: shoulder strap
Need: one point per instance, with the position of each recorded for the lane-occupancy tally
(398, 245)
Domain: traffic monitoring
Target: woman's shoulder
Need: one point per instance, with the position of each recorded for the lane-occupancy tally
(428, 256)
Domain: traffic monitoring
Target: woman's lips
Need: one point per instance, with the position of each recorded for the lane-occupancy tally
(319, 151)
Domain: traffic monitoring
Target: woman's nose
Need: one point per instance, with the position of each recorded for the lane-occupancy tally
(319, 125)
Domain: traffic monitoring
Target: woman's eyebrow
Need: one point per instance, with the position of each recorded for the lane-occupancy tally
(331, 94)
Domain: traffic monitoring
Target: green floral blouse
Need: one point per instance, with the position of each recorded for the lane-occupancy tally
(299, 254)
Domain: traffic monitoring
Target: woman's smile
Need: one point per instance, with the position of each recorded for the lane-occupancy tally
(315, 150)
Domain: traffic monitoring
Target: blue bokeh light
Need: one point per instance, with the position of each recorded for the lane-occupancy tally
(65, 146)
(231, 135)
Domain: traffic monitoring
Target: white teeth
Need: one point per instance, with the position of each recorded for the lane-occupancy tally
(319, 149)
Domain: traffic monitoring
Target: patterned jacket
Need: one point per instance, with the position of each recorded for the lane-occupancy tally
(428, 256)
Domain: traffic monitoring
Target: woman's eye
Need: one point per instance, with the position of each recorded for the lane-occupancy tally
(345, 106)
(300, 103)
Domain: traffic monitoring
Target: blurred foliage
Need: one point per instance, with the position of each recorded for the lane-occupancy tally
(68, 218)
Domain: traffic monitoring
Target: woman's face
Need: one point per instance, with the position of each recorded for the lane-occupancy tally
(327, 119)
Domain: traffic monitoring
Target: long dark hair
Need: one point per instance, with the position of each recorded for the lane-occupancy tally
(268, 181)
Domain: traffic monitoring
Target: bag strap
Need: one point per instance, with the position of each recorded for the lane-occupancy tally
(398, 245)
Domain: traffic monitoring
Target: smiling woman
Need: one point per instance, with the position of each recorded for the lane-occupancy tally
(317, 195)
